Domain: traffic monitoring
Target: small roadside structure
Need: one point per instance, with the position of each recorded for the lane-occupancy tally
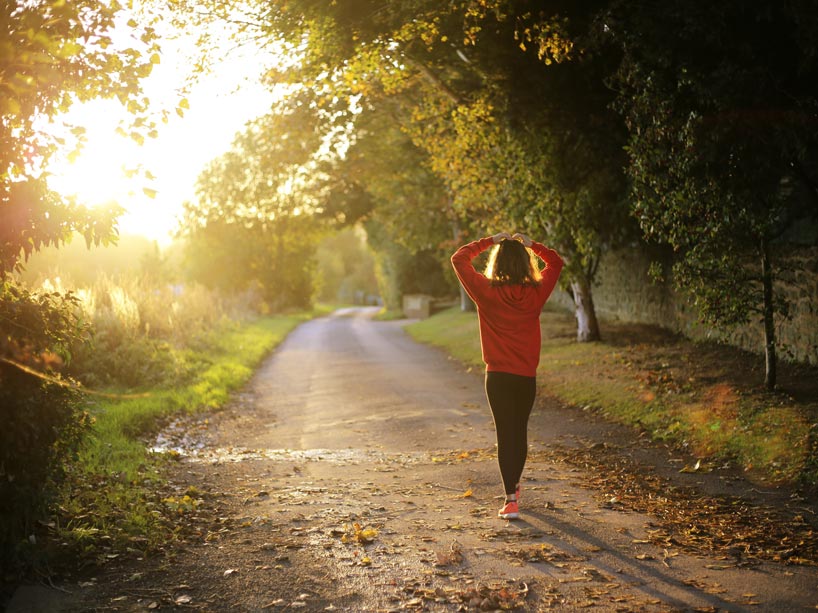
(421, 306)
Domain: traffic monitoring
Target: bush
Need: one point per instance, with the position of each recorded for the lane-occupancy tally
(43, 425)
(147, 333)
(43, 419)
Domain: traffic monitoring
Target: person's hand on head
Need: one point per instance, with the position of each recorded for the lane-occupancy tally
(500, 236)
(523, 239)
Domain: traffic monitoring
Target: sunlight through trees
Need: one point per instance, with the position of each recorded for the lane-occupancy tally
(596, 127)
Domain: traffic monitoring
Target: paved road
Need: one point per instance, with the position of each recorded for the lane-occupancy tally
(356, 472)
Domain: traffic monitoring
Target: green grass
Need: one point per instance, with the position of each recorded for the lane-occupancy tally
(386, 315)
(113, 491)
(688, 394)
(230, 361)
(454, 331)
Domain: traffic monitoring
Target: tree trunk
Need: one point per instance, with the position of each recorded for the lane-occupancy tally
(587, 324)
(769, 312)
(466, 304)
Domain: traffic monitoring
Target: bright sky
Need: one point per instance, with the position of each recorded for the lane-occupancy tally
(220, 104)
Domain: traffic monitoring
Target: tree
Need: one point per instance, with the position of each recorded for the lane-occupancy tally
(346, 268)
(512, 139)
(538, 146)
(256, 219)
(53, 54)
(409, 225)
(721, 135)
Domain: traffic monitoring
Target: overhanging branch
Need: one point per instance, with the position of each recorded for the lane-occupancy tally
(433, 79)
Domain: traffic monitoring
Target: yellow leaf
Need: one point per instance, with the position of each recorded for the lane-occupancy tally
(184, 104)
(150, 193)
(366, 535)
(156, 58)
(468, 493)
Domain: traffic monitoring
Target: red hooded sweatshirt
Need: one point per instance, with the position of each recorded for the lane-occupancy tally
(509, 315)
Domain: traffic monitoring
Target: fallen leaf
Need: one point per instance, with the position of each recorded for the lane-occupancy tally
(275, 603)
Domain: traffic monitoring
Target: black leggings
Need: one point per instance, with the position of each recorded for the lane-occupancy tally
(511, 398)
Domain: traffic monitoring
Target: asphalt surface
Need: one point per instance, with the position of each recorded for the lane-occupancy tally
(356, 472)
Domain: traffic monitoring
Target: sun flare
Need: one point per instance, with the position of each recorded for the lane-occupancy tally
(151, 181)
(99, 173)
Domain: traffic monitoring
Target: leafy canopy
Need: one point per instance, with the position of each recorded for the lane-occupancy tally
(54, 53)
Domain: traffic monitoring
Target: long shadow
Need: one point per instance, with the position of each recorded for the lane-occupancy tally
(647, 579)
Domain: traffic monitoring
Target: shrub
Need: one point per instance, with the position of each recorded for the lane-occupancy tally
(43, 425)
(43, 419)
(147, 333)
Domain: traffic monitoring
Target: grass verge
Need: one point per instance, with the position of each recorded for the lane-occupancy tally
(115, 499)
(705, 397)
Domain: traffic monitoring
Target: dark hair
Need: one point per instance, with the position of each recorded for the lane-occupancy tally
(511, 263)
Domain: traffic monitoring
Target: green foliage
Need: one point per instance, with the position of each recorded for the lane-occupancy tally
(114, 489)
(400, 271)
(407, 218)
(722, 145)
(274, 259)
(255, 222)
(345, 268)
(51, 55)
(406, 197)
(43, 421)
(38, 328)
(508, 114)
(44, 424)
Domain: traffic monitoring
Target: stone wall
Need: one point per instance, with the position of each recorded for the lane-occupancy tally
(624, 291)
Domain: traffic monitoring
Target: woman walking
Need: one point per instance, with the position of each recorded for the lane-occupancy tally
(509, 298)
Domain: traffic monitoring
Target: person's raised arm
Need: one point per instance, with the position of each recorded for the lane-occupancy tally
(552, 259)
(472, 280)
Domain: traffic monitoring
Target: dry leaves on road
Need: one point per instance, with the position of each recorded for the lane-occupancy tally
(726, 527)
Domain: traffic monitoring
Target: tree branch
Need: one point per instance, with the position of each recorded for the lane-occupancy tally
(433, 79)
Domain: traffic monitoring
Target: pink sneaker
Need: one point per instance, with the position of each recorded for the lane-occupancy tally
(510, 511)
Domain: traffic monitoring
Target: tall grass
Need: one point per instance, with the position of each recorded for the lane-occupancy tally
(145, 333)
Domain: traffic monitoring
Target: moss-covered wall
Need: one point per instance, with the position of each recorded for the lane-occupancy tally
(625, 291)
